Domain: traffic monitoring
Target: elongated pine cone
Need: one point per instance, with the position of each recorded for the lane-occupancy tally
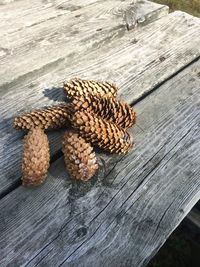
(101, 133)
(36, 157)
(49, 118)
(107, 108)
(79, 87)
(80, 160)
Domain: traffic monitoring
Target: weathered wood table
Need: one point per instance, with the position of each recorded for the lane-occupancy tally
(126, 212)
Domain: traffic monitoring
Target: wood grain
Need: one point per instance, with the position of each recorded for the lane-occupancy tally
(24, 14)
(137, 61)
(127, 211)
(62, 35)
(142, 71)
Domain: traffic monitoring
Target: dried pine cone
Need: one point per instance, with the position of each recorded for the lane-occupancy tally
(35, 161)
(79, 87)
(80, 160)
(49, 118)
(107, 108)
(101, 133)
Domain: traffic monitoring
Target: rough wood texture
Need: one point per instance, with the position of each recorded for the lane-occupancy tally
(28, 30)
(141, 13)
(136, 60)
(126, 213)
(25, 50)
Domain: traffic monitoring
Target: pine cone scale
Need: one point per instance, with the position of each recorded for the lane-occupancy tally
(36, 157)
(49, 118)
(99, 135)
(80, 160)
(109, 109)
(99, 118)
(78, 87)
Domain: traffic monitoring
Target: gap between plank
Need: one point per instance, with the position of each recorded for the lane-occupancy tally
(59, 153)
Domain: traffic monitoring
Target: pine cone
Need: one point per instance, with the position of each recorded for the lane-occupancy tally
(80, 160)
(35, 161)
(49, 118)
(101, 133)
(107, 108)
(79, 87)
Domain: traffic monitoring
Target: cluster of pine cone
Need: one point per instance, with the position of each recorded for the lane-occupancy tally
(96, 117)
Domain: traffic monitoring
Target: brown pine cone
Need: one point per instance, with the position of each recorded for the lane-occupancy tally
(49, 118)
(36, 157)
(107, 108)
(79, 87)
(80, 160)
(101, 133)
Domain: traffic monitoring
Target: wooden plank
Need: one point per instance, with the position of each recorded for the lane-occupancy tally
(125, 214)
(21, 14)
(159, 50)
(62, 36)
(59, 35)
(31, 92)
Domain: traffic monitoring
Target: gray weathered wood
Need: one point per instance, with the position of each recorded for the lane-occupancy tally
(124, 215)
(20, 15)
(141, 13)
(137, 61)
(28, 89)
(25, 50)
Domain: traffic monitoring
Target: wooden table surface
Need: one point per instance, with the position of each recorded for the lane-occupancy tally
(127, 211)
